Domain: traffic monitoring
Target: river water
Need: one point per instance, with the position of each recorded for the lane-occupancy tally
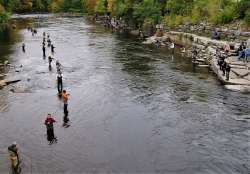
(133, 108)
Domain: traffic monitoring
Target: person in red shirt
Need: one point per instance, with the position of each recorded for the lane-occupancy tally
(49, 122)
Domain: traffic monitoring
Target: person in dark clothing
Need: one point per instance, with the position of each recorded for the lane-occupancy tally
(224, 64)
(228, 69)
(52, 48)
(241, 48)
(58, 67)
(220, 62)
(194, 54)
(65, 96)
(49, 122)
(216, 35)
(59, 84)
(49, 42)
(44, 51)
(23, 47)
(50, 60)
(241, 51)
(14, 156)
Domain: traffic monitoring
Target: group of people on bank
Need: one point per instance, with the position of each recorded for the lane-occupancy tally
(243, 52)
(62, 94)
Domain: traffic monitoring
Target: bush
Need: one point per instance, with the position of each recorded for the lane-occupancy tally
(179, 7)
(227, 15)
(243, 7)
(4, 17)
(118, 8)
(247, 17)
(148, 27)
(101, 6)
(56, 5)
(147, 9)
(89, 6)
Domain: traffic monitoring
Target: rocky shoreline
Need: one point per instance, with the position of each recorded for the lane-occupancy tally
(207, 55)
(240, 71)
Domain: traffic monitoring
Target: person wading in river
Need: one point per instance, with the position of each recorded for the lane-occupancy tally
(52, 48)
(14, 157)
(49, 122)
(65, 97)
(50, 61)
(44, 51)
(59, 84)
(58, 67)
(49, 42)
(23, 47)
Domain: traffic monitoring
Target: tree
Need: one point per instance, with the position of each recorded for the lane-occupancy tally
(101, 6)
(147, 9)
(89, 6)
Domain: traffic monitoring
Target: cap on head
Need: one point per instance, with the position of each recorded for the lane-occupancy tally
(14, 143)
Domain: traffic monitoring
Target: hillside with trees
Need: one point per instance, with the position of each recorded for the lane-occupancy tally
(139, 12)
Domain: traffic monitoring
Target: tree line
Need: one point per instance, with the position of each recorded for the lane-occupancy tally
(174, 12)
(138, 12)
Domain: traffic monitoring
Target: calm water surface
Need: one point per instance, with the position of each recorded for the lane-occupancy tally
(133, 109)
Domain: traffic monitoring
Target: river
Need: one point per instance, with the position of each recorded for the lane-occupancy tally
(133, 108)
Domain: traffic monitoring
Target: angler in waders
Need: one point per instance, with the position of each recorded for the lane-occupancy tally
(65, 97)
(44, 51)
(50, 61)
(58, 67)
(52, 48)
(14, 157)
(59, 84)
(49, 42)
(23, 47)
(49, 123)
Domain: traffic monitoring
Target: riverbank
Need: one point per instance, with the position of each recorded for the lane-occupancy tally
(240, 72)
(239, 78)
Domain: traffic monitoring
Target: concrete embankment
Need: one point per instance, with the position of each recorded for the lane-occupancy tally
(240, 71)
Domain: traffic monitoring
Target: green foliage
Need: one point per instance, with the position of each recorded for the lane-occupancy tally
(140, 12)
(227, 15)
(118, 8)
(247, 17)
(179, 7)
(38, 5)
(101, 6)
(242, 8)
(4, 17)
(147, 9)
(71, 5)
(89, 6)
